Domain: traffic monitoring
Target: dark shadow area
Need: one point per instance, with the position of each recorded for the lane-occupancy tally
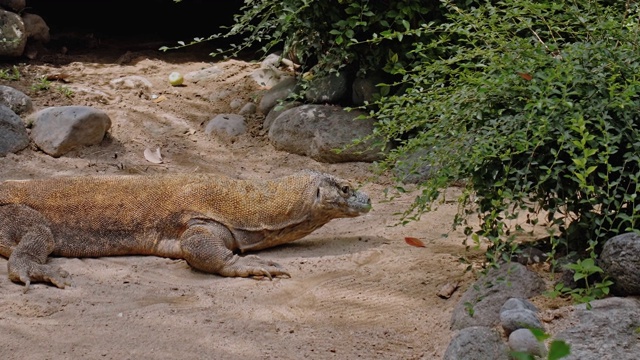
(103, 26)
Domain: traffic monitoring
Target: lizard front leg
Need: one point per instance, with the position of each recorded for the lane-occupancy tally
(25, 238)
(204, 246)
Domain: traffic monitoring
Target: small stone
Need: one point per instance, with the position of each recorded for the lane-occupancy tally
(248, 109)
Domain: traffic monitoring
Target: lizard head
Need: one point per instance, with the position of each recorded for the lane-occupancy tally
(338, 198)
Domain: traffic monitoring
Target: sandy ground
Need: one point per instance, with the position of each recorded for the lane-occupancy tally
(357, 289)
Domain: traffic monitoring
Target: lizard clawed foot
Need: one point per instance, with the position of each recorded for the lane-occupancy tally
(254, 266)
(33, 272)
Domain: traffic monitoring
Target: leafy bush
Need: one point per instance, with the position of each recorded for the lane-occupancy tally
(329, 35)
(536, 105)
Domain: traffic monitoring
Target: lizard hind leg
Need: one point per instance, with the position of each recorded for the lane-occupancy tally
(204, 246)
(27, 240)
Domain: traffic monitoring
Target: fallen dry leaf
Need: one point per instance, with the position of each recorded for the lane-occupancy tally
(160, 98)
(448, 289)
(525, 76)
(153, 156)
(414, 241)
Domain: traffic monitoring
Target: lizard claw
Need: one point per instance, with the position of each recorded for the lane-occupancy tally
(253, 266)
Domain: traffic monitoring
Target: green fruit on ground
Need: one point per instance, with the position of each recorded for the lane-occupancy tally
(175, 78)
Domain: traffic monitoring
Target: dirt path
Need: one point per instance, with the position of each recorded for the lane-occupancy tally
(357, 290)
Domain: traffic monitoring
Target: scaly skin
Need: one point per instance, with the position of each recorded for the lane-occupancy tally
(203, 219)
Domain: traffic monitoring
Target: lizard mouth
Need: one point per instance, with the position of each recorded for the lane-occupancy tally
(359, 203)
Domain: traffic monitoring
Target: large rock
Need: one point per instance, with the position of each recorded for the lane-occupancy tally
(14, 5)
(13, 134)
(330, 89)
(13, 36)
(476, 343)
(317, 130)
(57, 130)
(35, 27)
(16, 100)
(620, 260)
(481, 303)
(608, 331)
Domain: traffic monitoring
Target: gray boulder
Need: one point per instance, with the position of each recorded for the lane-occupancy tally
(278, 92)
(226, 125)
(16, 100)
(13, 134)
(481, 303)
(13, 37)
(36, 28)
(58, 130)
(276, 111)
(14, 5)
(330, 89)
(317, 130)
(620, 260)
(476, 343)
(608, 331)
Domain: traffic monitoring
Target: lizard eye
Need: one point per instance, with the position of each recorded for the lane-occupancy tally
(346, 190)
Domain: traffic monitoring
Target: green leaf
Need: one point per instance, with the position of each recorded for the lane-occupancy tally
(558, 349)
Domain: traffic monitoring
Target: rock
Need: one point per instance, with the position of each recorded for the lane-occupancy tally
(36, 28)
(14, 5)
(248, 109)
(269, 77)
(58, 130)
(276, 111)
(480, 305)
(514, 319)
(131, 82)
(620, 260)
(235, 104)
(226, 125)
(16, 100)
(518, 303)
(279, 92)
(13, 37)
(331, 89)
(366, 89)
(317, 130)
(476, 343)
(608, 331)
(13, 134)
(207, 74)
(523, 340)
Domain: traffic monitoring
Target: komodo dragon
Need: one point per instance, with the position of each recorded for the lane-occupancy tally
(204, 219)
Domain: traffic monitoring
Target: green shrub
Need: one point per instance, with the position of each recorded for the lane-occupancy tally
(328, 35)
(534, 104)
